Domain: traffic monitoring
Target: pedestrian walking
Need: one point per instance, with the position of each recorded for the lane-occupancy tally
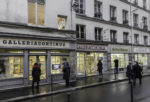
(100, 68)
(116, 66)
(129, 72)
(66, 73)
(36, 72)
(137, 70)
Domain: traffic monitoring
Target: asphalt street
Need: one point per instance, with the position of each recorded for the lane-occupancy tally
(117, 92)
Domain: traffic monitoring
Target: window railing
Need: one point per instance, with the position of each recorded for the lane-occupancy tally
(98, 15)
(136, 25)
(113, 19)
(145, 43)
(145, 27)
(125, 22)
(126, 41)
(114, 40)
(136, 42)
(80, 11)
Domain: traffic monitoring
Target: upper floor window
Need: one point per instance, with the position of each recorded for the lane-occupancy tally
(136, 2)
(145, 23)
(113, 13)
(81, 6)
(113, 35)
(136, 38)
(144, 4)
(125, 16)
(98, 34)
(62, 22)
(135, 20)
(80, 31)
(125, 37)
(98, 9)
(145, 40)
(36, 12)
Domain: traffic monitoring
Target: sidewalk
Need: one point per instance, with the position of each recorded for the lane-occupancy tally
(44, 90)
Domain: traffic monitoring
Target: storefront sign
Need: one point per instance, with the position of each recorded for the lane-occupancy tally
(85, 47)
(119, 49)
(30, 43)
(141, 50)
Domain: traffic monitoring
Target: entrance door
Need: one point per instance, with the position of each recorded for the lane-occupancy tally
(90, 64)
(42, 61)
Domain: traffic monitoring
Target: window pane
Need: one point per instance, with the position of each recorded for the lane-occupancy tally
(11, 67)
(61, 23)
(40, 14)
(31, 12)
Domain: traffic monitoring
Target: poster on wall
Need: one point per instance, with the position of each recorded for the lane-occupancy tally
(56, 66)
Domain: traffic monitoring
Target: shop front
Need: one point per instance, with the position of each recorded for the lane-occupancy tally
(87, 58)
(141, 55)
(120, 52)
(19, 55)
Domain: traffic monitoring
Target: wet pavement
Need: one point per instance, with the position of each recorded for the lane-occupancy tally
(116, 92)
(14, 93)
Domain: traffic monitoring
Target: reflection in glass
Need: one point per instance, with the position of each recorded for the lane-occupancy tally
(58, 60)
(11, 67)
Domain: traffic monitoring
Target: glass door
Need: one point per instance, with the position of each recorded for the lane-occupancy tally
(41, 60)
(80, 64)
(90, 64)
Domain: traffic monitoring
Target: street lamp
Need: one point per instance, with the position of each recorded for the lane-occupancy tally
(74, 7)
(131, 23)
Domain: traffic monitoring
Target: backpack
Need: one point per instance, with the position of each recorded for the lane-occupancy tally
(37, 73)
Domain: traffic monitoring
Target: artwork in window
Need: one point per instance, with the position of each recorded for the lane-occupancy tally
(61, 22)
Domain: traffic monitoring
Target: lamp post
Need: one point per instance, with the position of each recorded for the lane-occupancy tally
(131, 23)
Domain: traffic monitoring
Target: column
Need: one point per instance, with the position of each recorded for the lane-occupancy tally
(48, 67)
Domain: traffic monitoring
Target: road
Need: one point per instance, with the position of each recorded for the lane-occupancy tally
(117, 92)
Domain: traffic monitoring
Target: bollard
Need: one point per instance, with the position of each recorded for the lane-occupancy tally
(131, 84)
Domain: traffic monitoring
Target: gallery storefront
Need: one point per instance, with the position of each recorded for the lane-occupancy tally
(18, 56)
(87, 58)
(120, 52)
(141, 55)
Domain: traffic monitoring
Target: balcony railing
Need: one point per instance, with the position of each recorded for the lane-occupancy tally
(136, 25)
(125, 22)
(126, 41)
(80, 11)
(114, 19)
(145, 27)
(114, 40)
(98, 15)
(136, 42)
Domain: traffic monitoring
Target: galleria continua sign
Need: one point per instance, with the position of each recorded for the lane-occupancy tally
(30, 43)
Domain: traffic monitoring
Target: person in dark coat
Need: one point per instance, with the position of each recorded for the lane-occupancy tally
(116, 65)
(137, 70)
(66, 73)
(36, 72)
(100, 67)
(129, 72)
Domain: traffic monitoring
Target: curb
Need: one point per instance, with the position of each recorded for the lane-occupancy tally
(65, 90)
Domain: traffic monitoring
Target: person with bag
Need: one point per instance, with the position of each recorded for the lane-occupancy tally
(100, 68)
(66, 73)
(137, 70)
(36, 72)
(129, 72)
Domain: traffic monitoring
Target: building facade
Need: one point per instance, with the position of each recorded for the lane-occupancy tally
(78, 31)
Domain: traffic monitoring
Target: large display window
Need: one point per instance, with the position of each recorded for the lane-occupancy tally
(57, 63)
(11, 66)
(142, 59)
(87, 62)
(122, 58)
